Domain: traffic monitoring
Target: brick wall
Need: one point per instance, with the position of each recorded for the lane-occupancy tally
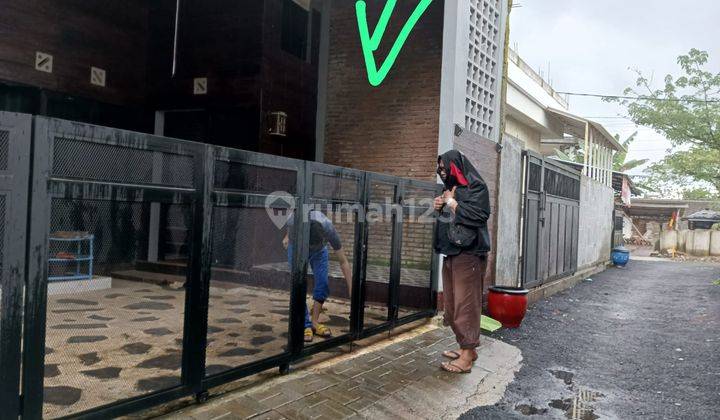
(416, 249)
(392, 128)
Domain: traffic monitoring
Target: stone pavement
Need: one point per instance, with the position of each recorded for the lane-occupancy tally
(106, 345)
(400, 379)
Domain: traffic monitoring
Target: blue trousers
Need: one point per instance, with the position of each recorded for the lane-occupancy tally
(319, 262)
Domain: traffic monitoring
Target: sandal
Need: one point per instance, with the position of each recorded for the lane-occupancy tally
(322, 331)
(454, 355)
(453, 368)
(308, 335)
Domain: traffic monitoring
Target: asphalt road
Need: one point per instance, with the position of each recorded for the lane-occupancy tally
(640, 342)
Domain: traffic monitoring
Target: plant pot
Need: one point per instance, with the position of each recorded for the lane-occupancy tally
(508, 305)
(620, 256)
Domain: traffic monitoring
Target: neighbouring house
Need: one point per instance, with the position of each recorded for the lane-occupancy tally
(625, 190)
(557, 217)
(652, 220)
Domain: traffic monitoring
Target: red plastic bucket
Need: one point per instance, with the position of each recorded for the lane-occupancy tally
(508, 305)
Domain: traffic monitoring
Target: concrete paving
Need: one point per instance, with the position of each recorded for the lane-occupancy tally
(392, 380)
(106, 345)
(640, 342)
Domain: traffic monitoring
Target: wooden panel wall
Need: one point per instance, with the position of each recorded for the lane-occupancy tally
(220, 40)
(79, 34)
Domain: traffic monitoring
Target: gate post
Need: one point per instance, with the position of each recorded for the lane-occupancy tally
(395, 255)
(301, 234)
(15, 140)
(37, 256)
(197, 284)
(357, 303)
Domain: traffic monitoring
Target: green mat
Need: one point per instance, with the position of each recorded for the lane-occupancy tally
(489, 324)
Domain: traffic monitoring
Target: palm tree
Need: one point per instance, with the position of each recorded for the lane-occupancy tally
(620, 164)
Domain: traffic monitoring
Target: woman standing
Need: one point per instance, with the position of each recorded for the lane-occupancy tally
(463, 238)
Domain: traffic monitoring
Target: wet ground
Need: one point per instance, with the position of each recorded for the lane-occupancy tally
(640, 342)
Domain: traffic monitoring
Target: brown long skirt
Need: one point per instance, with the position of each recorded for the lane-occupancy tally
(462, 296)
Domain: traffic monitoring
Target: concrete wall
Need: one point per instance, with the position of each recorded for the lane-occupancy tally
(596, 223)
(529, 136)
(698, 242)
(508, 233)
(483, 154)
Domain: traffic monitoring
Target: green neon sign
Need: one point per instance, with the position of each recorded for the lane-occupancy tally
(370, 43)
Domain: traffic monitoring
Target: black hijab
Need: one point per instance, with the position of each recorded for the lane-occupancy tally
(460, 172)
(474, 205)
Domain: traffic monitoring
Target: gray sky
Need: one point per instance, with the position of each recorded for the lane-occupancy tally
(590, 46)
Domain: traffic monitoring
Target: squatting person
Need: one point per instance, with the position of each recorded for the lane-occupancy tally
(462, 236)
(322, 232)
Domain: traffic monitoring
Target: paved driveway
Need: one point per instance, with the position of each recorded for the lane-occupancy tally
(640, 342)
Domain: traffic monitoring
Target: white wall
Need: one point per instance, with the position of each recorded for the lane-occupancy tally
(507, 251)
(596, 223)
(527, 135)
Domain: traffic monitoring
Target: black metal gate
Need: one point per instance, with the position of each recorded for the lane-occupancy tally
(550, 220)
(15, 135)
(153, 268)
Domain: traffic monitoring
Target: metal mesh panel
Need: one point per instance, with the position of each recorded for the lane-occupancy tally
(561, 185)
(2, 254)
(379, 253)
(115, 320)
(338, 188)
(4, 149)
(175, 234)
(418, 196)
(245, 177)
(73, 158)
(534, 177)
(415, 272)
(249, 289)
(336, 310)
(177, 170)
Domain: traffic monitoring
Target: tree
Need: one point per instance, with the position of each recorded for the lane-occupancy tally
(698, 194)
(620, 164)
(686, 110)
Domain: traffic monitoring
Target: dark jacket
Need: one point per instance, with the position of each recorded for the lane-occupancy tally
(473, 209)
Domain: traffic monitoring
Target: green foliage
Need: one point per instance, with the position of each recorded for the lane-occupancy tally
(620, 162)
(686, 110)
(698, 193)
(575, 153)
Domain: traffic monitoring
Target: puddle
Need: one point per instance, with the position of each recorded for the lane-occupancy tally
(580, 406)
(564, 376)
(530, 410)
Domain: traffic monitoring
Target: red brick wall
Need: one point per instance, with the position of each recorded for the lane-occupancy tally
(392, 128)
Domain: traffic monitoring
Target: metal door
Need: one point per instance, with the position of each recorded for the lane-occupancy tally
(551, 215)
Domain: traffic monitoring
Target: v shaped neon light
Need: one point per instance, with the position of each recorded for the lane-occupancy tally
(370, 43)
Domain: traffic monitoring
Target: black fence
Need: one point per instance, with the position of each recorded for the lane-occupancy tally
(138, 269)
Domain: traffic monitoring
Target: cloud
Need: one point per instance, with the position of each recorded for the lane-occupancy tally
(590, 46)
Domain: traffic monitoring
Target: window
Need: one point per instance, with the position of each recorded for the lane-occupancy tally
(294, 29)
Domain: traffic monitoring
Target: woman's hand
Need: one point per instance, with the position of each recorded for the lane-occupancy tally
(449, 198)
(285, 241)
(439, 203)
